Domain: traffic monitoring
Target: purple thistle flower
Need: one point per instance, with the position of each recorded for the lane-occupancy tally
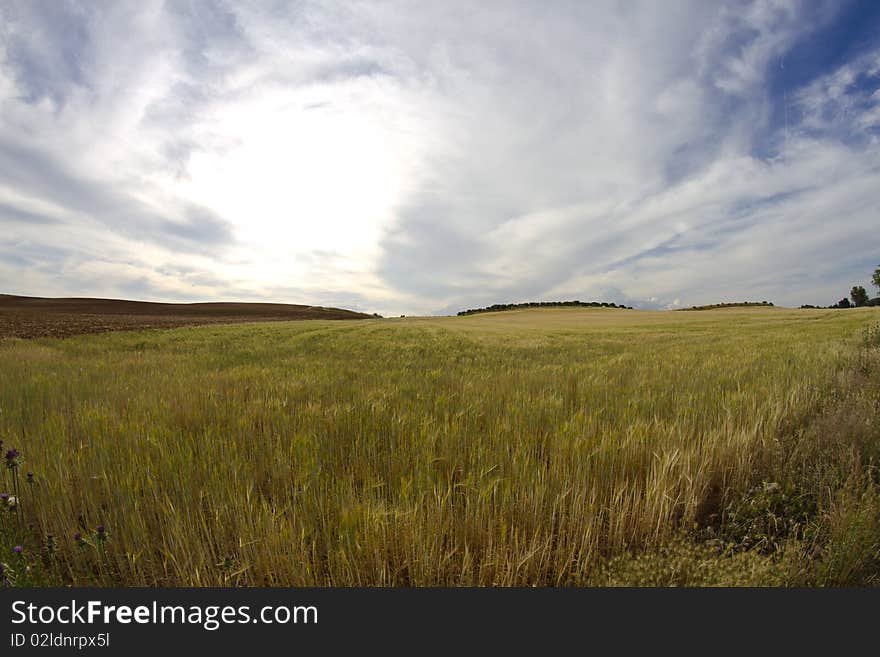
(78, 537)
(12, 458)
(4, 497)
(18, 549)
(101, 533)
(30, 477)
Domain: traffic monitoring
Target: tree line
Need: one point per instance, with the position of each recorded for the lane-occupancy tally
(542, 304)
(732, 304)
(858, 296)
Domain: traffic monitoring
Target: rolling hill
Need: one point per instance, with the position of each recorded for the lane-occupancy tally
(27, 317)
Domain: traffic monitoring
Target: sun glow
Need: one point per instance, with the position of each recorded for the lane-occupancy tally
(298, 178)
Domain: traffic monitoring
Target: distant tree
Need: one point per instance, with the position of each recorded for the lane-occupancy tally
(876, 279)
(859, 296)
(843, 303)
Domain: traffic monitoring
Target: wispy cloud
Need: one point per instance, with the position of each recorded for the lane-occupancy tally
(424, 159)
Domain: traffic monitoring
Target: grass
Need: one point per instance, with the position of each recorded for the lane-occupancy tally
(532, 447)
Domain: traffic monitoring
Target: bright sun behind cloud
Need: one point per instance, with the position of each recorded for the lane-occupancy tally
(298, 178)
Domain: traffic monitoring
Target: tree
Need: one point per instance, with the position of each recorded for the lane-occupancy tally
(876, 278)
(843, 303)
(859, 296)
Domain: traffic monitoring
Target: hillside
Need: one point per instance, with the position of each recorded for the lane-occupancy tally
(28, 317)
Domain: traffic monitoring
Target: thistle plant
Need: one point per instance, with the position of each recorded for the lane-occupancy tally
(21, 530)
(13, 459)
(100, 539)
(13, 462)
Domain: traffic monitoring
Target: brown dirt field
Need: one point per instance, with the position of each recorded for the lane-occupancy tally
(36, 317)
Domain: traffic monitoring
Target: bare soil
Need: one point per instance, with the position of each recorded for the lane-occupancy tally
(34, 317)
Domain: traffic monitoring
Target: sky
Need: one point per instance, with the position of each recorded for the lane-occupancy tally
(427, 157)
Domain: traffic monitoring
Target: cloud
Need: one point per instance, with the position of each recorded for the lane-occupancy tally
(429, 159)
(663, 179)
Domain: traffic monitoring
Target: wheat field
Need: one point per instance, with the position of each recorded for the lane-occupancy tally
(541, 447)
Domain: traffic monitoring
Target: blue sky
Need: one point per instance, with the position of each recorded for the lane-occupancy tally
(428, 157)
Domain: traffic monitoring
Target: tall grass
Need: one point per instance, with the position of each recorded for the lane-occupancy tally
(524, 448)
